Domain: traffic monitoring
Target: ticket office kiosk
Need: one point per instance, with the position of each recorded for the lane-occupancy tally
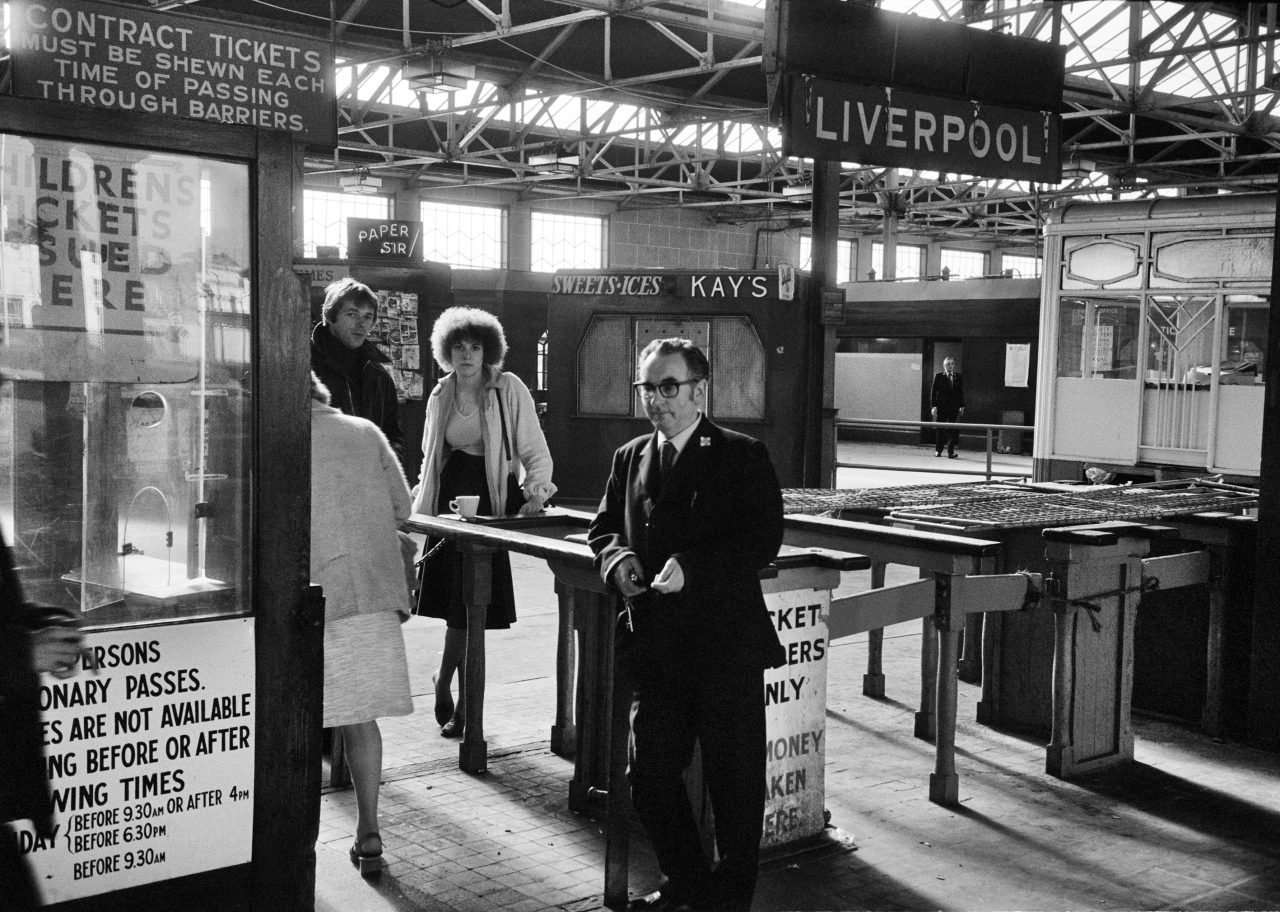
(758, 342)
(1154, 322)
(154, 345)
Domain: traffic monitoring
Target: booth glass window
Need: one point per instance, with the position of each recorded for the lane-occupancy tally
(1103, 262)
(325, 214)
(1097, 337)
(468, 237)
(612, 343)
(1180, 339)
(126, 350)
(1244, 339)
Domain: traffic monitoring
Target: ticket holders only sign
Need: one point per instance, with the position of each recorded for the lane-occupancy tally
(840, 121)
(796, 718)
(131, 59)
(150, 759)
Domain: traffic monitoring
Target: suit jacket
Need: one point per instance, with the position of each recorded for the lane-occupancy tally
(947, 396)
(719, 513)
(24, 791)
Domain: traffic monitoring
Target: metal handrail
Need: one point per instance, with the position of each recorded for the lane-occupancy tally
(917, 425)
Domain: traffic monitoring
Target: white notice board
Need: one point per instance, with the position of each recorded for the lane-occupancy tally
(1017, 363)
(150, 759)
(796, 718)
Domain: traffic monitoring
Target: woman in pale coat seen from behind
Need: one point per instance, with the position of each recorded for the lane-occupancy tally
(358, 499)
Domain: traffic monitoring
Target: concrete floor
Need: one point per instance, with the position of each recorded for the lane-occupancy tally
(1193, 823)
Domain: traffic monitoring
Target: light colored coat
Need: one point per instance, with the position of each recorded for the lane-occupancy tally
(358, 499)
(528, 445)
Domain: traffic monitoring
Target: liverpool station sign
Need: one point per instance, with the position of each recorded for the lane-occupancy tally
(906, 91)
(881, 125)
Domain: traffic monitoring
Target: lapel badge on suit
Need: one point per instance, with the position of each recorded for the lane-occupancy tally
(704, 441)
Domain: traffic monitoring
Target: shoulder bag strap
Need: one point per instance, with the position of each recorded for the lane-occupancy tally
(502, 416)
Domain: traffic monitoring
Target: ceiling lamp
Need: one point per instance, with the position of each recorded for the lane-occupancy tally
(361, 182)
(439, 76)
(561, 162)
(800, 189)
(1077, 168)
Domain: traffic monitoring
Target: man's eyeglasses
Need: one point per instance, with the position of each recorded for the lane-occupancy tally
(667, 389)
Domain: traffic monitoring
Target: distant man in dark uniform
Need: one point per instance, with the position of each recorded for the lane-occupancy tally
(350, 365)
(690, 515)
(946, 401)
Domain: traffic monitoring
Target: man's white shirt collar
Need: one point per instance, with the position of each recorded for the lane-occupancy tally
(682, 438)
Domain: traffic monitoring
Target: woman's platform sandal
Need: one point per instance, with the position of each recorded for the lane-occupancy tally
(366, 854)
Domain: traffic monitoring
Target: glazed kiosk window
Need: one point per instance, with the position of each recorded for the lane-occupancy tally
(130, 440)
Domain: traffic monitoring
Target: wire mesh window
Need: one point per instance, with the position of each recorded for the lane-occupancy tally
(963, 264)
(325, 214)
(560, 241)
(845, 258)
(469, 237)
(910, 261)
(1024, 267)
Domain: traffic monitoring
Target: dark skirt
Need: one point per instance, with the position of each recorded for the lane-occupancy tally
(441, 594)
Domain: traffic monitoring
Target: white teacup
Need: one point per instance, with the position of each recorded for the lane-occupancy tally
(465, 505)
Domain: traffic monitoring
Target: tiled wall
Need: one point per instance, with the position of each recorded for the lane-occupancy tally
(678, 239)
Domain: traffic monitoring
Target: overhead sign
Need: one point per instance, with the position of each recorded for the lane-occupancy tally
(694, 286)
(384, 239)
(131, 59)
(913, 92)
(840, 121)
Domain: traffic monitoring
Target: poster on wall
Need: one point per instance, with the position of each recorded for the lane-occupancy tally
(796, 718)
(396, 333)
(1017, 363)
(150, 759)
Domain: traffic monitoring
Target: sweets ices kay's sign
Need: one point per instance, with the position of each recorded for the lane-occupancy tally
(131, 59)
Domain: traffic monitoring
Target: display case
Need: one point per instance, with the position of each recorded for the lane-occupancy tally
(153, 344)
(124, 424)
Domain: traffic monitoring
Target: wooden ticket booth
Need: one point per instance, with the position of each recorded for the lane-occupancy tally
(155, 354)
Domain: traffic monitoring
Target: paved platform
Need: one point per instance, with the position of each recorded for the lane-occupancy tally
(1192, 824)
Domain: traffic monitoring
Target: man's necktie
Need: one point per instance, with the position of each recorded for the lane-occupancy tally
(668, 458)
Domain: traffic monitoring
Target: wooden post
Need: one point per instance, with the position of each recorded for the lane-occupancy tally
(477, 584)
(617, 843)
(564, 733)
(944, 783)
(873, 680)
(925, 719)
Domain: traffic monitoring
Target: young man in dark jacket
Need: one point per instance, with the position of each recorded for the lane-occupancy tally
(350, 365)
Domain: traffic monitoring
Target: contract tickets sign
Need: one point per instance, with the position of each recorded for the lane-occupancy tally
(150, 759)
(131, 59)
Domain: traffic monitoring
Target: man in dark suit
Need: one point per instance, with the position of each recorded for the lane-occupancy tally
(946, 401)
(690, 515)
